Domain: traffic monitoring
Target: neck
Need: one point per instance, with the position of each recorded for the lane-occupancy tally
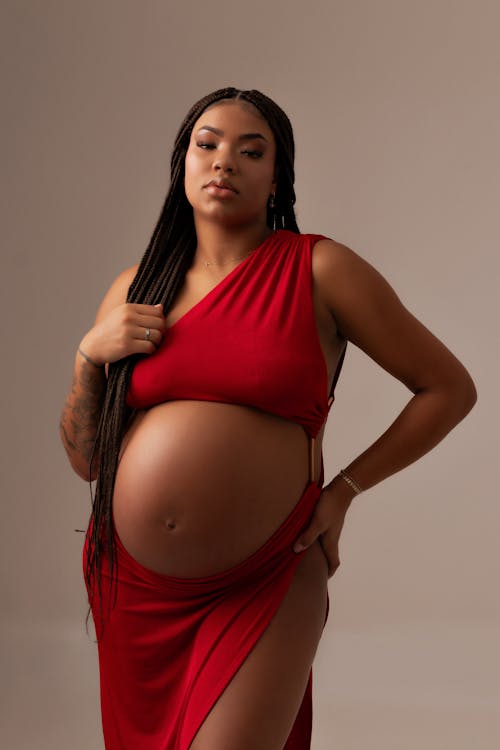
(217, 244)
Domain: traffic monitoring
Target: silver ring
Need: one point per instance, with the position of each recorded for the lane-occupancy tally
(148, 334)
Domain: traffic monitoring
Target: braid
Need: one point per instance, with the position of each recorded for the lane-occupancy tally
(285, 156)
(159, 277)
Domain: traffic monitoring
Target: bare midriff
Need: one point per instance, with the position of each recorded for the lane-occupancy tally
(201, 485)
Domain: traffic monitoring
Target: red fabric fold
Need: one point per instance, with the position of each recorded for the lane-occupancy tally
(171, 645)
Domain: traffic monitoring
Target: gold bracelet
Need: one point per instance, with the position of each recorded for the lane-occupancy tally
(350, 481)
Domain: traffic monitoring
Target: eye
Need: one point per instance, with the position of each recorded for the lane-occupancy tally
(253, 154)
(205, 145)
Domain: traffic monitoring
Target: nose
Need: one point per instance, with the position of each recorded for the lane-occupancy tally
(224, 162)
(223, 166)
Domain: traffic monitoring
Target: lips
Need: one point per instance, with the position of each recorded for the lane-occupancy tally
(224, 184)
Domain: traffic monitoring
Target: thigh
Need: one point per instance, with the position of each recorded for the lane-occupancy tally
(257, 709)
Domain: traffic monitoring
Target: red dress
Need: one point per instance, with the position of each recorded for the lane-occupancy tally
(171, 645)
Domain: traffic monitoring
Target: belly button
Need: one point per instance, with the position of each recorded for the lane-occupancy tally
(170, 525)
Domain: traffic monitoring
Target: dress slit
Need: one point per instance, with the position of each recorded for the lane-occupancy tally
(171, 645)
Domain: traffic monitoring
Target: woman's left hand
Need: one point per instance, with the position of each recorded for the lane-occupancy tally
(326, 524)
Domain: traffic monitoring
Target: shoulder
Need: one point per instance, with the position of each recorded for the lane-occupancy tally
(369, 312)
(361, 300)
(330, 256)
(117, 292)
(341, 275)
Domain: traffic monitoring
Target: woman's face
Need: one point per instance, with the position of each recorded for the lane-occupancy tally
(230, 143)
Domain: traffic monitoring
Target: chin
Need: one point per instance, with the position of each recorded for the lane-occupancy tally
(225, 216)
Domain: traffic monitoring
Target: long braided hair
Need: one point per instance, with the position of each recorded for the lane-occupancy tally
(159, 277)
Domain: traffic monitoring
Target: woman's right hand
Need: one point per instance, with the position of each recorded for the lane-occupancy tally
(123, 332)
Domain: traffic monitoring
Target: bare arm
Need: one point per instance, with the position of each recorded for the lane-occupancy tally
(81, 413)
(368, 312)
(118, 331)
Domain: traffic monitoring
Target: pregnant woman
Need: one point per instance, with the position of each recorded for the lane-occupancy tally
(198, 405)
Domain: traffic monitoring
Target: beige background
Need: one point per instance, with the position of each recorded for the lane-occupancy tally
(395, 107)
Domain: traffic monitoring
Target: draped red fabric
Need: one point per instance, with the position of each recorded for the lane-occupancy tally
(253, 337)
(171, 645)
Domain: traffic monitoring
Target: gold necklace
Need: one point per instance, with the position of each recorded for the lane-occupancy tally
(208, 263)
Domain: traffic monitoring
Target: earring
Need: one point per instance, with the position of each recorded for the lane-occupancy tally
(272, 206)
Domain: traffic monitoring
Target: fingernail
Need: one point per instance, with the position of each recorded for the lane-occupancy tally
(299, 547)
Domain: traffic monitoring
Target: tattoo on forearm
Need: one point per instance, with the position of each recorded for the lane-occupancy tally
(82, 409)
(86, 356)
(69, 443)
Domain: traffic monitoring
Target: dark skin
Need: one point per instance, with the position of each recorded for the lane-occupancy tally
(352, 301)
(362, 307)
(368, 312)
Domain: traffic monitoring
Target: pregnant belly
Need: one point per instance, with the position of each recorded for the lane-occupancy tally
(201, 485)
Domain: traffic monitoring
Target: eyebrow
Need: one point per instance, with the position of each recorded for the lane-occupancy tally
(244, 137)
